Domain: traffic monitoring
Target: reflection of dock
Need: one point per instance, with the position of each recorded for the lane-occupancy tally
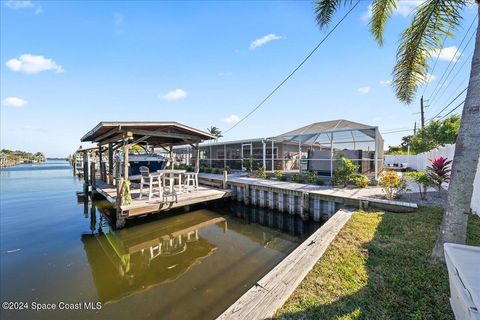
(146, 255)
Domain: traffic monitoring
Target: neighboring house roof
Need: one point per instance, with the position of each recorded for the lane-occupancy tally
(327, 126)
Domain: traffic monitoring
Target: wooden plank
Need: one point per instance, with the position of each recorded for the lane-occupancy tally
(271, 292)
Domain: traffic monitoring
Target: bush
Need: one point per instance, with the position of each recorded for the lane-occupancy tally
(312, 177)
(283, 178)
(392, 184)
(361, 181)
(216, 171)
(319, 182)
(201, 169)
(298, 178)
(208, 170)
(227, 168)
(261, 173)
(278, 174)
(439, 171)
(423, 181)
(345, 173)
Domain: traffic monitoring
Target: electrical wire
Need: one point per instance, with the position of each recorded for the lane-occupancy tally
(294, 70)
(448, 104)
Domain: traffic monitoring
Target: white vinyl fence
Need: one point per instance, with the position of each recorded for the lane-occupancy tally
(422, 160)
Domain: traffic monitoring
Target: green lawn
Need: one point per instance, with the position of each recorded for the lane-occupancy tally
(379, 267)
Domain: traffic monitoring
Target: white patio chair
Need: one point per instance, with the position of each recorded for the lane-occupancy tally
(190, 181)
(151, 181)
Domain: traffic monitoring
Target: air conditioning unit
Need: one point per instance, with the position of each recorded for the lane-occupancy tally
(463, 263)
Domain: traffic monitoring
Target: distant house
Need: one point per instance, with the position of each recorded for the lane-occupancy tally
(314, 148)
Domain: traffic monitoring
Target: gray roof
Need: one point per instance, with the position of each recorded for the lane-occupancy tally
(327, 126)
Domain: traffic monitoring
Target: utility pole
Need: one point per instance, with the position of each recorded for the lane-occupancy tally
(415, 128)
(421, 112)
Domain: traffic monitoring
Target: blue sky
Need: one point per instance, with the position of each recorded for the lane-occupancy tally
(67, 66)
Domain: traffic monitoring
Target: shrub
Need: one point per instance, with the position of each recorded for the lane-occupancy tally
(392, 184)
(283, 178)
(423, 181)
(298, 178)
(201, 169)
(345, 173)
(361, 181)
(208, 170)
(227, 168)
(216, 171)
(312, 177)
(278, 174)
(261, 173)
(319, 181)
(439, 171)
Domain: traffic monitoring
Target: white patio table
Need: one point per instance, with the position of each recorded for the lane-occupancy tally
(171, 175)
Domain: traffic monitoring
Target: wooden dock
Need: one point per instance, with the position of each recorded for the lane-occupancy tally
(144, 206)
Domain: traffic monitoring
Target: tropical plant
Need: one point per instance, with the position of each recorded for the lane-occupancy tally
(214, 131)
(312, 177)
(227, 168)
(392, 184)
(261, 173)
(298, 178)
(361, 181)
(435, 134)
(278, 174)
(432, 21)
(345, 173)
(439, 171)
(422, 180)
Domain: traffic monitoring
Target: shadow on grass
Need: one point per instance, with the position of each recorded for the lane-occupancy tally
(379, 267)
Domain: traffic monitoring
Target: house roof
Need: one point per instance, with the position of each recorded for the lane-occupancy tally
(327, 126)
(152, 132)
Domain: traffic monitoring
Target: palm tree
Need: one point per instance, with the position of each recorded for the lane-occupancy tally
(432, 21)
(215, 131)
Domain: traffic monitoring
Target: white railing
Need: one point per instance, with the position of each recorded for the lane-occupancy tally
(422, 160)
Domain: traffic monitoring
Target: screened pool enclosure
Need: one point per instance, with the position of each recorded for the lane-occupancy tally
(314, 148)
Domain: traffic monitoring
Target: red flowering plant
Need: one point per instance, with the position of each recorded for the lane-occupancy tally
(439, 171)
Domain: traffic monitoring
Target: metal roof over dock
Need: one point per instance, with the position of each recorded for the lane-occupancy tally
(154, 133)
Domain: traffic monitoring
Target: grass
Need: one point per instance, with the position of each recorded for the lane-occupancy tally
(379, 267)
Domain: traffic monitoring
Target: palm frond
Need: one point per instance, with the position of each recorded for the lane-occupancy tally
(324, 10)
(381, 10)
(433, 20)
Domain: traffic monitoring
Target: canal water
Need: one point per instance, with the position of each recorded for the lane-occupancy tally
(57, 252)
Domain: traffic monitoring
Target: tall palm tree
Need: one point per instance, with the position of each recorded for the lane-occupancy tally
(432, 21)
(215, 131)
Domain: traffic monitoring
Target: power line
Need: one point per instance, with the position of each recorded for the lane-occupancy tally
(455, 76)
(435, 64)
(461, 103)
(448, 104)
(450, 72)
(296, 69)
(389, 132)
(450, 62)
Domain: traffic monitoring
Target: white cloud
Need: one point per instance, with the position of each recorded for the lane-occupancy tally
(404, 9)
(14, 102)
(175, 95)
(364, 90)
(264, 40)
(367, 15)
(447, 54)
(28, 63)
(232, 119)
(385, 82)
(24, 4)
(429, 78)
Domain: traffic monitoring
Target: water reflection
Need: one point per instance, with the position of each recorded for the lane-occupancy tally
(221, 250)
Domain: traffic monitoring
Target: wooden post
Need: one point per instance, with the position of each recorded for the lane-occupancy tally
(74, 160)
(110, 163)
(100, 162)
(197, 158)
(92, 175)
(170, 154)
(125, 159)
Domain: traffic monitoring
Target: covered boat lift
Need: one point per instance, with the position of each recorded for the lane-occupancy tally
(118, 137)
